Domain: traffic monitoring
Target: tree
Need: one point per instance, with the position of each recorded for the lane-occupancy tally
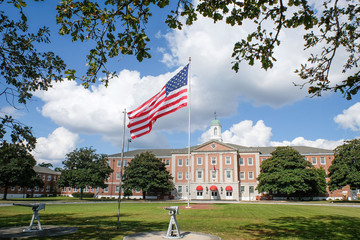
(330, 27)
(83, 167)
(44, 164)
(345, 168)
(23, 69)
(17, 167)
(287, 173)
(147, 173)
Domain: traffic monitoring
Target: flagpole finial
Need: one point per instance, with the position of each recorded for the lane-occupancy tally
(189, 59)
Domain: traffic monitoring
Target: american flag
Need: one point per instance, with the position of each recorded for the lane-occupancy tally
(172, 97)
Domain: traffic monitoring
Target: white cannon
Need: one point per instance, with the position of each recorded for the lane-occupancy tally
(173, 229)
(36, 207)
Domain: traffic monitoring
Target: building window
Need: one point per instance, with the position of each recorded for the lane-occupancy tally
(106, 189)
(49, 178)
(180, 189)
(108, 162)
(242, 189)
(213, 174)
(29, 189)
(227, 160)
(47, 188)
(137, 191)
(186, 188)
(118, 163)
(180, 175)
(187, 162)
(126, 162)
(199, 193)
(117, 189)
(250, 161)
(44, 176)
(180, 162)
(313, 160)
(19, 189)
(228, 174)
(241, 161)
(12, 188)
(251, 189)
(199, 161)
(74, 189)
(118, 176)
(251, 175)
(242, 175)
(213, 160)
(322, 160)
(229, 193)
(86, 189)
(54, 178)
(167, 162)
(199, 174)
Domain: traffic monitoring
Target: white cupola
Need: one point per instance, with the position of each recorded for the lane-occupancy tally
(215, 129)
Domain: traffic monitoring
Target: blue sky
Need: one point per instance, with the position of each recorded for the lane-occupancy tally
(255, 107)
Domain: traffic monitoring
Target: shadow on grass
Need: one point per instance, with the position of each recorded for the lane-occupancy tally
(89, 227)
(318, 227)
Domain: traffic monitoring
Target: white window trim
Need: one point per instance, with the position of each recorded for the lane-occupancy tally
(197, 174)
(242, 178)
(182, 162)
(215, 158)
(197, 161)
(252, 161)
(243, 162)
(322, 158)
(226, 176)
(180, 175)
(252, 173)
(312, 162)
(227, 158)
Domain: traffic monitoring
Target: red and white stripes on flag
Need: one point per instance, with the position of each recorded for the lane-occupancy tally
(173, 96)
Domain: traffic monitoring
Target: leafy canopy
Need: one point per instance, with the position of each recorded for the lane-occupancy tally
(147, 173)
(84, 167)
(17, 167)
(345, 168)
(120, 27)
(287, 173)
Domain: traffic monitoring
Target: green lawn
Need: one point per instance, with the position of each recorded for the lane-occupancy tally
(228, 221)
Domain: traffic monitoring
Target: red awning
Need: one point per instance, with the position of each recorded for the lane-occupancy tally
(199, 188)
(228, 188)
(213, 188)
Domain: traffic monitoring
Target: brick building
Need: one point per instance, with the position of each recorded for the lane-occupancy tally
(48, 176)
(218, 170)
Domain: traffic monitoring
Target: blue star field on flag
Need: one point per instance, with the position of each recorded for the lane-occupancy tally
(178, 81)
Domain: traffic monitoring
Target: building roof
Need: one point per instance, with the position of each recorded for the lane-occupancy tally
(38, 169)
(304, 150)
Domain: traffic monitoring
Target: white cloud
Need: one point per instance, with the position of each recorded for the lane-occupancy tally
(350, 118)
(245, 133)
(99, 110)
(53, 148)
(318, 143)
(10, 111)
(210, 47)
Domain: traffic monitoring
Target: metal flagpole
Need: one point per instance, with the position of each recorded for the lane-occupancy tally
(121, 170)
(189, 129)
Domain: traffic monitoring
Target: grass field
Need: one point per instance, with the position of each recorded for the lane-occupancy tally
(228, 221)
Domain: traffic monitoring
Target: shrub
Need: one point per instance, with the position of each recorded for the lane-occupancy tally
(85, 195)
